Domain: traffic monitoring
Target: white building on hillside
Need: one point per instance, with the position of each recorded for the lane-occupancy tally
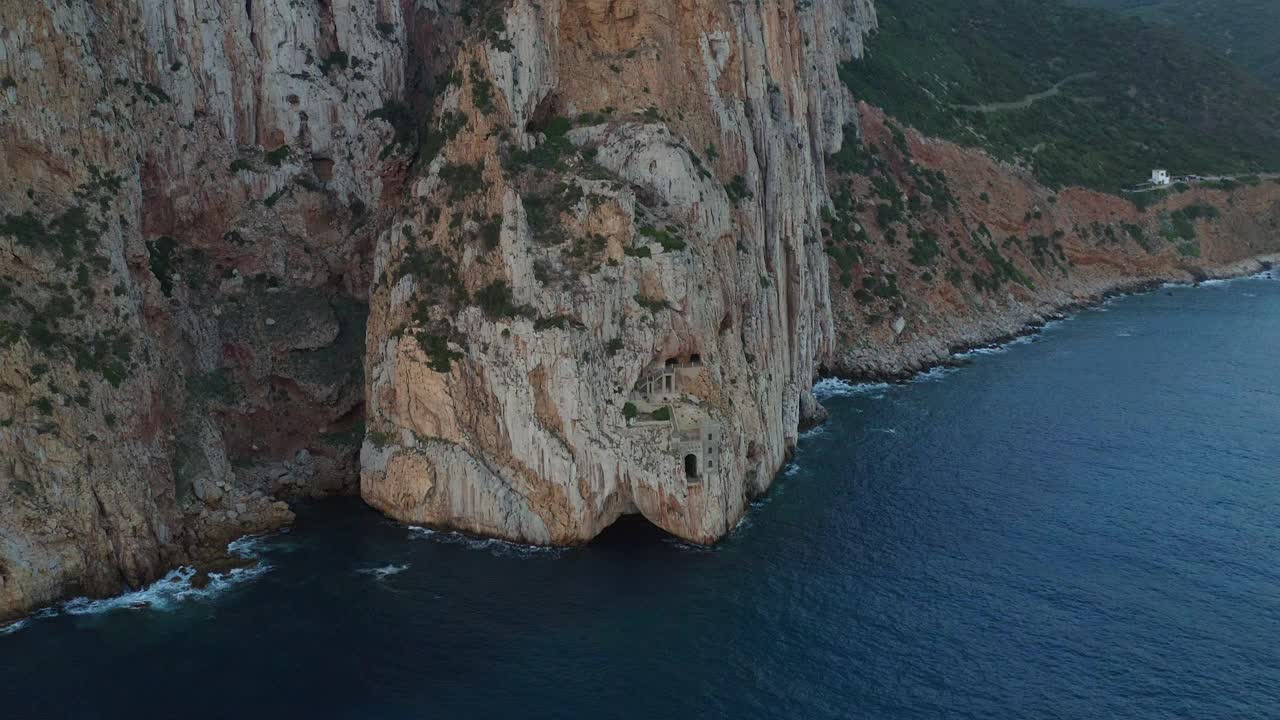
(1160, 177)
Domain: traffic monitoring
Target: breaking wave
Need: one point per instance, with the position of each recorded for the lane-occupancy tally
(835, 387)
(995, 349)
(165, 594)
(493, 546)
(384, 572)
(936, 373)
(814, 432)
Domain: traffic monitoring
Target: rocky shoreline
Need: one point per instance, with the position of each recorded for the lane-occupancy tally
(1036, 322)
(447, 259)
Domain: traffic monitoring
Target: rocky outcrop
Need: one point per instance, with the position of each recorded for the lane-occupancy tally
(517, 268)
(199, 200)
(187, 197)
(587, 220)
(934, 247)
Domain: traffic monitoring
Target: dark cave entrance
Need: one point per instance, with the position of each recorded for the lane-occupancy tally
(691, 467)
(632, 530)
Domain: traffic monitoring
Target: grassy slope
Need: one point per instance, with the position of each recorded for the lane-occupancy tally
(1150, 100)
(1247, 30)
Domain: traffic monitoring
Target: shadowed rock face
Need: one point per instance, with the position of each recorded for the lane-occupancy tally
(252, 251)
(211, 211)
(626, 183)
(188, 194)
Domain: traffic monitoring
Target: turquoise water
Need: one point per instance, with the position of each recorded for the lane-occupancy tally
(1083, 525)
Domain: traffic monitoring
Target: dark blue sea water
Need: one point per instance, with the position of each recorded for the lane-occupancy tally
(1086, 525)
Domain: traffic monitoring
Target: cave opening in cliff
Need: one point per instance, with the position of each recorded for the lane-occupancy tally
(634, 529)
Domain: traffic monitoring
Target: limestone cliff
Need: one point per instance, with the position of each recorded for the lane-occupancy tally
(543, 203)
(516, 267)
(621, 194)
(187, 197)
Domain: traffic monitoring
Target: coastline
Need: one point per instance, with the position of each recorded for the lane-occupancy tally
(1034, 322)
(240, 563)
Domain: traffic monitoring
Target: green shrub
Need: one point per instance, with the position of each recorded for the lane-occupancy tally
(68, 234)
(496, 301)
(630, 411)
(337, 59)
(160, 253)
(462, 179)
(924, 248)
(277, 156)
(665, 238)
(649, 304)
(438, 353)
(737, 190)
(481, 89)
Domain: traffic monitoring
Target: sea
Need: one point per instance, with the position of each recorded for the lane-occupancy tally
(1084, 523)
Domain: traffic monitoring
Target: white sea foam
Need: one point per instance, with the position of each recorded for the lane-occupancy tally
(814, 432)
(25, 622)
(384, 572)
(1218, 282)
(995, 349)
(886, 431)
(834, 387)
(932, 374)
(494, 546)
(168, 592)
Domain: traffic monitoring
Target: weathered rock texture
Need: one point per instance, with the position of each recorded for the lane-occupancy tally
(519, 267)
(186, 196)
(978, 250)
(623, 184)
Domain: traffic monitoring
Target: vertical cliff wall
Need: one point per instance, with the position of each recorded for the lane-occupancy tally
(511, 267)
(188, 193)
(211, 210)
(616, 194)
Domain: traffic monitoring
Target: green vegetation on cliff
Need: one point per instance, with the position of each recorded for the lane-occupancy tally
(1082, 96)
(1248, 31)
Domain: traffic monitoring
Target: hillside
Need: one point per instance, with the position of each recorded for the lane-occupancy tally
(1079, 96)
(1248, 31)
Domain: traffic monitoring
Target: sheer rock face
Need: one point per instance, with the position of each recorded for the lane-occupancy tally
(198, 200)
(677, 220)
(181, 309)
(536, 206)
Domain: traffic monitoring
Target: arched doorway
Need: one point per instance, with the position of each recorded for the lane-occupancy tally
(691, 466)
